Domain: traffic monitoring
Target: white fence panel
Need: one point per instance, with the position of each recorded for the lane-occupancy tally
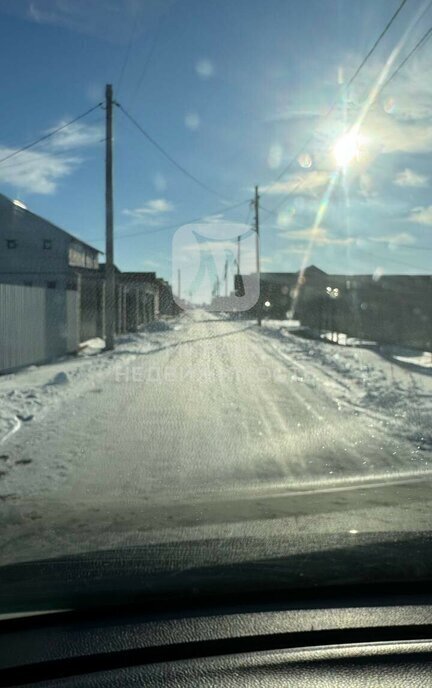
(37, 324)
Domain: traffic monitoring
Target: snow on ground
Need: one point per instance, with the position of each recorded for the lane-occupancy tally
(264, 411)
(31, 393)
(368, 381)
(419, 359)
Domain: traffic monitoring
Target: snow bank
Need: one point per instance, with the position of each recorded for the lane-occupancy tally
(362, 380)
(410, 357)
(158, 326)
(29, 394)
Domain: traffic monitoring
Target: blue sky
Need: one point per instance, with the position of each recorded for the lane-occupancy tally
(231, 89)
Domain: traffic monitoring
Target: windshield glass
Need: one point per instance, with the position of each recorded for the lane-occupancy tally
(215, 280)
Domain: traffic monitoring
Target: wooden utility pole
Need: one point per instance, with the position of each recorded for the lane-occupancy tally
(109, 227)
(179, 283)
(256, 205)
(238, 253)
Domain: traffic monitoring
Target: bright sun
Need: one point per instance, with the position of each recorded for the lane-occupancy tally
(346, 149)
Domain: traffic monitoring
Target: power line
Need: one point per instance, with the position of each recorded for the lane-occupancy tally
(177, 224)
(419, 248)
(286, 198)
(246, 222)
(50, 134)
(391, 260)
(337, 99)
(422, 40)
(418, 45)
(150, 53)
(375, 45)
(51, 153)
(127, 56)
(168, 156)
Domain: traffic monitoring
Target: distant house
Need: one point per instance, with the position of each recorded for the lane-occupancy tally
(390, 309)
(278, 289)
(160, 289)
(35, 252)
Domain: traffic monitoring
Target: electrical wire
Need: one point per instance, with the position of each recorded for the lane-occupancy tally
(418, 45)
(419, 248)
(127, 56)
(168, 156)
(391, 260)
(49, 135)
(337, 99)
(68, 154)
(375, 45)
(177, 224)
(246, 222)
(150, 53)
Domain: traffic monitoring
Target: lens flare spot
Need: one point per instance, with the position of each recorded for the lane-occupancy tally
(285, 217)
(389, 106)
(192, 121)
(204, 68)
(304, 160)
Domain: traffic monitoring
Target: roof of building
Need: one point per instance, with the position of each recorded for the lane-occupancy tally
(19, 208)
(102, 268)
(311, 270)
(144, 276)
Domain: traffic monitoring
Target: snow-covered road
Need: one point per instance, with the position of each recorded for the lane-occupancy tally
(206, 427)
(218, 405)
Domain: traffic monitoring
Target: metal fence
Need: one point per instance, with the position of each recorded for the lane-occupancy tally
(386, 316)
(37, 324)
(92, 307)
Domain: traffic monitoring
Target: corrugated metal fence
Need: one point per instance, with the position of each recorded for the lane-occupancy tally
(37, 324)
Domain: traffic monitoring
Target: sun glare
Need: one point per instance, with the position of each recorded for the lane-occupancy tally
(347, 149)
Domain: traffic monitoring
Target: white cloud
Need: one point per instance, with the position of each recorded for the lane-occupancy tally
(421, 215)
(213, 219)
(213, 246)
(76, 135)
(366, 188)
(151, 212)
(34, 171)
(399, 119)
(387, 134)
(112, 24)
(39, 170)
(308, 184)
(411, 179)
(317, 235)
(401, 239)
(204, 68)
(286, 217)
(148, 263)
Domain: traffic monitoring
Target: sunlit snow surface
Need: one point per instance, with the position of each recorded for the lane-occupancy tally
(196, 408)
